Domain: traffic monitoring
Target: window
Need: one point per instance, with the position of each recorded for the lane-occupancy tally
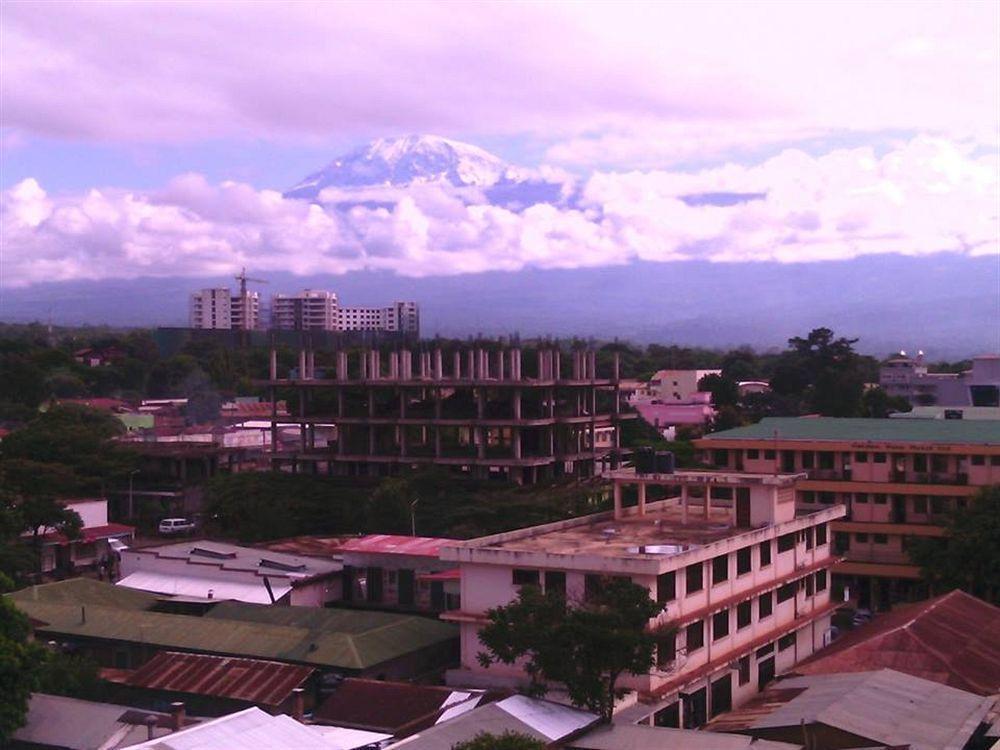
(695, 635)
(861, 538)
(920, 504)
(880, 499)
(666, 587)
(939, 505)
(720, 624)
(786, 592)
(744, 670)
(523, 577)
(827, 498)
(765, 553)
(591, 586)
(861, 457)
(809, 585)
(720, 457)
(841, 541)
(720, 493)
(979, 460)
(786, 642)
(878, 458)
(555, 582)
(666, 649)
(694, 578)
(807, 459)
(786, 542)
(753, 454)
(939, 462)
(861, 497)
(769, 455)
(821, 580)
(809, 538)
(743, 614)
(743, 562)
(821, 535)
(720, 569)
(880, 538)
(994, 460)
(765, 651)
(919, 462)
(808, 497)
(765, 605)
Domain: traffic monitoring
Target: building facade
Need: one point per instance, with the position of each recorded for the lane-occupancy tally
(678, 386)
(399, 317)
(309, 310)
(742, 575)
(220, 309)
(471, 409)
(898, 478)
(909, 378)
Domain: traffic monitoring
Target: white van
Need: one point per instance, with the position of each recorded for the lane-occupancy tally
(171, 526)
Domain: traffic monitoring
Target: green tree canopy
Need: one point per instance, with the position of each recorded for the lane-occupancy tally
(587, 646)
(505, 741)
(968, 556)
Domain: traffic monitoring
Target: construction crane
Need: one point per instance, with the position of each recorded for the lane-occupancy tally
(245, 317)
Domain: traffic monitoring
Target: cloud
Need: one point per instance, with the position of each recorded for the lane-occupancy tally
(925, 196)
(169, 72)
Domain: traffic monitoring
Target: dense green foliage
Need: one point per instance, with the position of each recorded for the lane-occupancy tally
(505, 741)
(269, 505)
(584, 646)
(968, 556)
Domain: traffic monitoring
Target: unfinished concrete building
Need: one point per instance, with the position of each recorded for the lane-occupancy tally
(523, 415)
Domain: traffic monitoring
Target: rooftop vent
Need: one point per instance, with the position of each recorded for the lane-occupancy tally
(214, 554)
(278, 565)
(658, 549)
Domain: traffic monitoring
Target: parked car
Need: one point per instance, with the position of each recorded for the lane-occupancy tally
(170, 526)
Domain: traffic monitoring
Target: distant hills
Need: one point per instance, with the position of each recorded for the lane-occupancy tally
(946, 304)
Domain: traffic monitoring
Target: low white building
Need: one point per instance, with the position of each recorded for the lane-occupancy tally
(98, 540)
(677, 386)
(213, 570)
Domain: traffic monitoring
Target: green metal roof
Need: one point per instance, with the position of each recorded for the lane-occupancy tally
(959, 431)
(346, 639)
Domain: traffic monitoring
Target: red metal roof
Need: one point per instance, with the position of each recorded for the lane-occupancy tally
(953, 639)
(91, 533)
(266, 683)
(393, 544)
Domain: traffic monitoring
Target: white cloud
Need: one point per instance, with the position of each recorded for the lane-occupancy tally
(926, 195)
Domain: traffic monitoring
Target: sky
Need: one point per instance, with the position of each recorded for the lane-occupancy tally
(154, 138)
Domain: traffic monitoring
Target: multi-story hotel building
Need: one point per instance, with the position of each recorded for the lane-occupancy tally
(220, 309)
(471, 409)
(898, 479)
(401, 317)
(743, 577)
(309, 310)
(909, 378)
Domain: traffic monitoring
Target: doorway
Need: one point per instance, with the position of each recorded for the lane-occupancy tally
(765, 672)
(743, 507)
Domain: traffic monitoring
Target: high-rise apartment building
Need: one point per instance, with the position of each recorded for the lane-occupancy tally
(309, 310)
(401, 317)
(220, 309)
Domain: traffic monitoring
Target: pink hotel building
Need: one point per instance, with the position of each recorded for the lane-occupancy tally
(743, 578)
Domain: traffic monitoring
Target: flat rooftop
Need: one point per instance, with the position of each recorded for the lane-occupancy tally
(660, 532)
(835, 429)
(708, 477)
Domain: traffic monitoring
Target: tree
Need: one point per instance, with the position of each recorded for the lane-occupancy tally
(878, 404)
(505, 741)
(19, 661)
(968, 556)
(586, 646)
(725, 392)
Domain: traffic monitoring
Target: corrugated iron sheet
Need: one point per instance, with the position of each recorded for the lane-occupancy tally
(266, 683)
(393, 544)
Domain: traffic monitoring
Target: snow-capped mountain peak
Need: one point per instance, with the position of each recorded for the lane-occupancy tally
(409, 160)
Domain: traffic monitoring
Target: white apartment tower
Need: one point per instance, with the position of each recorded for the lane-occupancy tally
(219, 309)
(403, 317)
(309, 310)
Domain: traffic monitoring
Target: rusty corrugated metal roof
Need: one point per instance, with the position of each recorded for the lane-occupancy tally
(953, 639)
(393, 544)
(265, 683)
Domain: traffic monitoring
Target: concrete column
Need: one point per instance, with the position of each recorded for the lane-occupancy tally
(437, 442)
(341, 365)
(684, 503)
(274, 363)
(438, 365)
(708, 500)
(470, 363)
(557, 364)
(364, 365)
(302, 365)
(500, 364)
(393, 365)
(456, 368)
(516, 439)
(617, 493)
(517, 403)
(311, 364)
(642, 498)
